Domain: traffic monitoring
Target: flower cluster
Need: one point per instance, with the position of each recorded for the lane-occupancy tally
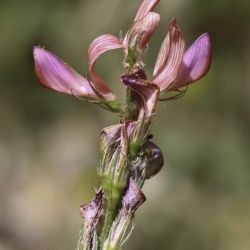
(128, 156)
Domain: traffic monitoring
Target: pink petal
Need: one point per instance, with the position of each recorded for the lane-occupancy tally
(145, 8)
(100, 45)
(162, 55)
(196, 62)
(143, 29)
(148, 94)
(55, 74)
(169, 57)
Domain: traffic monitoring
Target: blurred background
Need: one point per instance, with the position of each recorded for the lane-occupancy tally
(49, 141)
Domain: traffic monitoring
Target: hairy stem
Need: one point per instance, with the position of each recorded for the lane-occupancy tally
(130, 106)
(112, 200)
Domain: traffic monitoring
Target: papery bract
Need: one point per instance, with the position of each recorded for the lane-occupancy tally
(145, 94)
(133, 197)
(174, 68)
(91, 214)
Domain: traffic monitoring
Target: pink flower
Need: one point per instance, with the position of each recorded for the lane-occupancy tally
(174, 66)
(137, 37)
(53, 73)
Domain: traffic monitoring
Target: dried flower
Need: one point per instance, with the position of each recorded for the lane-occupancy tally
(91, 214)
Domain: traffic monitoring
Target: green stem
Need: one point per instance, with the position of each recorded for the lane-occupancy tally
(130, 109)
(113, 190)
(112, 201)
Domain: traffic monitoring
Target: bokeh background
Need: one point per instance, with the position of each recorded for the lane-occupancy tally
(49, 141)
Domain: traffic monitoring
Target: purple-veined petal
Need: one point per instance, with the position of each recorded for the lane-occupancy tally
(100, 45)
(162, 55)
(196, 62)
(145, 94)
(148, 96)
(92, 211)
(169, 58)
(53, 73)
(141, 31)
(145, 7)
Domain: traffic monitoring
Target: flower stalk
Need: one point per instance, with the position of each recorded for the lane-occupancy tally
(128, 155)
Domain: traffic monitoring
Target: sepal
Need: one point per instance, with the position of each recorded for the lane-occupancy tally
(91, 214)
(123, 224)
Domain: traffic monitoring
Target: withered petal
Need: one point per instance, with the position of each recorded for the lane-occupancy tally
(92, 211)
(133, 197)
(91, 214)
(145, 94)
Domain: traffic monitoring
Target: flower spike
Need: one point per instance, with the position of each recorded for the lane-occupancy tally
(128, 156)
